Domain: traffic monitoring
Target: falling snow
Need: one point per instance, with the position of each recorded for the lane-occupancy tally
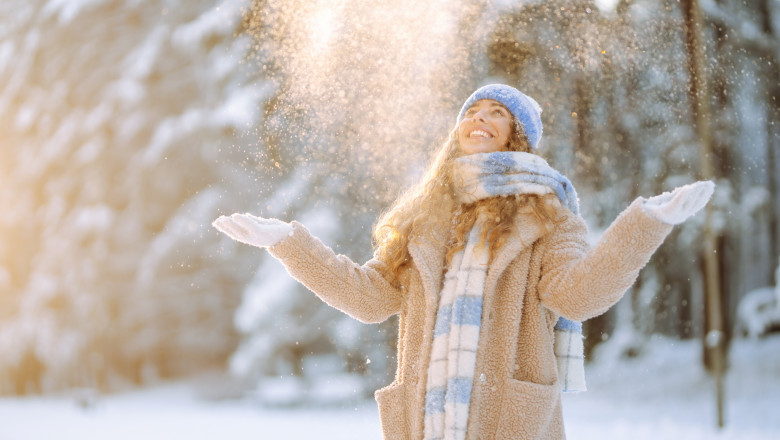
(126, 127)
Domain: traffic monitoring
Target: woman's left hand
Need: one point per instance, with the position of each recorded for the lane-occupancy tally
(675, 207)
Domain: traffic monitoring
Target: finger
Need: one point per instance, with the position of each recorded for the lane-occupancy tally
(700, 200)
(680, 194)
(659, 199)
(703, 187)
(263, 221)
(700, 191)
(689, 204)
(218, 220)
(259, 221)
(252, 217)
(247, 222)
(683, 195)
(707, 188)
(235, 231)
(221, 223)
(675, 192)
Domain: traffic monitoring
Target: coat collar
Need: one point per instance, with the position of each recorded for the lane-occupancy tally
(527, 229)
(428, 253)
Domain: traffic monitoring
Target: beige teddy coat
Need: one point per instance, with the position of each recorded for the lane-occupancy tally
(533, 278)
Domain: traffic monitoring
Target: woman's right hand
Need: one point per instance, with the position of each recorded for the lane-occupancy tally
(253, 230)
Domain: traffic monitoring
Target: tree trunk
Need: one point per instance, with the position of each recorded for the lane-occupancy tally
(772, 128)
(714, 349)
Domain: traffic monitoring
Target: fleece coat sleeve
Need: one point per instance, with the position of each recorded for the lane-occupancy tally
(580, 283)
(359, 291)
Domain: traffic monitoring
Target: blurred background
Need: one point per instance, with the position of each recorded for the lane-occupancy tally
(127, 126)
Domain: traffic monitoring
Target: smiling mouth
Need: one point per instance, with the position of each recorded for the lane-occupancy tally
(480, 134)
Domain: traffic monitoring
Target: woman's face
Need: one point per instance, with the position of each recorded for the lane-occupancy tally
(485, 128)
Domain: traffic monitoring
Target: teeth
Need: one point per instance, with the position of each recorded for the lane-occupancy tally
(480, 133)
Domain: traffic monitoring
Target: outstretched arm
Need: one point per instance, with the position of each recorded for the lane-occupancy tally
(580, 283)
(362, 292)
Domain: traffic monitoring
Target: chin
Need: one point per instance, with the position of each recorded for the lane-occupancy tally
(478, 150)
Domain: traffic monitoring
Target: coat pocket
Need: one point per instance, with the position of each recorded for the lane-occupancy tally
(530, 411)
(393, 412)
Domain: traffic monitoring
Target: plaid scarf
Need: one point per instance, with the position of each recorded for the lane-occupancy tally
(455, 343)
(459, 316)
(510, 172)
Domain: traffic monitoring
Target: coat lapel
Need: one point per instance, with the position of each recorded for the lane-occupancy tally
(428, 255)
(527, 229)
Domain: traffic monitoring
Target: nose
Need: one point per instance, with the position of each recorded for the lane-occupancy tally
(479, 116)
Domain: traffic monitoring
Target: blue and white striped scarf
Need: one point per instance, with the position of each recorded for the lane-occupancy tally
(459, 316)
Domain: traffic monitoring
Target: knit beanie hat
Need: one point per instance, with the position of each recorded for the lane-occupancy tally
(522, 107)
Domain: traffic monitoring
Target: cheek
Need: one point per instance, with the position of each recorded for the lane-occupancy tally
(461, 133)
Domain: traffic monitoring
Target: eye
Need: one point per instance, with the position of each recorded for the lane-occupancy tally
(498, 112)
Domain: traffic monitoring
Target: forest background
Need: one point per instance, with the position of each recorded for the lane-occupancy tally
(126, 127)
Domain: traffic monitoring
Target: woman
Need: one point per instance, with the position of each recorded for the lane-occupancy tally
(483, 260)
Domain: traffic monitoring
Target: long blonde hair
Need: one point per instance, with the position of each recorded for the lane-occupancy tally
(429, 207)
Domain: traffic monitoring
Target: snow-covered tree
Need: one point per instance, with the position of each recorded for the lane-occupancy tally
(126, 127)
(618, 114)
(118, 125)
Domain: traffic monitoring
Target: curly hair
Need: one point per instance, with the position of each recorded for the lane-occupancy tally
(429, 208)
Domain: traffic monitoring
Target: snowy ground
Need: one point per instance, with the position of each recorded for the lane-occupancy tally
(665, 394)
(662, 394)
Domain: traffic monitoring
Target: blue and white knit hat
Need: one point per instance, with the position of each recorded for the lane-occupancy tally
(523, 108)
